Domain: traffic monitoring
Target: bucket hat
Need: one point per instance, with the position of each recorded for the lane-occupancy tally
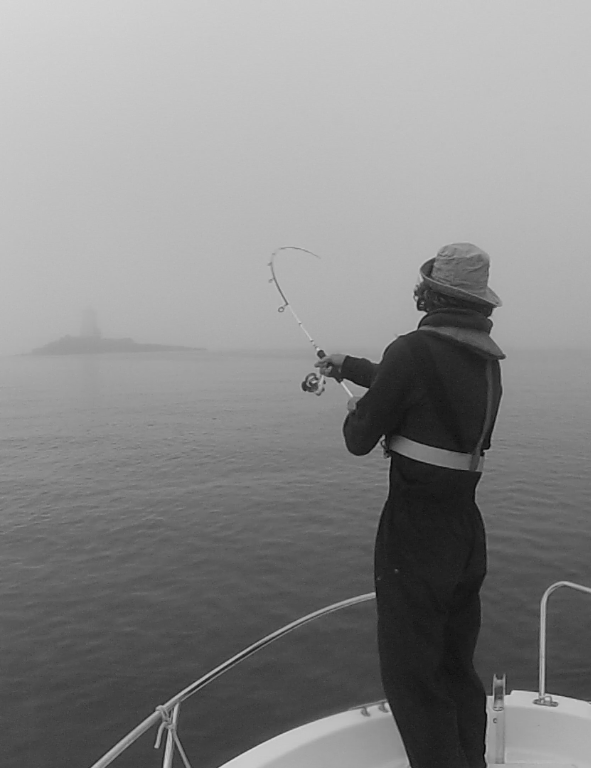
(461, 270)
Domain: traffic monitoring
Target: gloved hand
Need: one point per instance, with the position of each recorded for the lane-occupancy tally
(331, 365)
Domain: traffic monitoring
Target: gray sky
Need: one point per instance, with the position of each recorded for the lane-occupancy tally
(156, 152)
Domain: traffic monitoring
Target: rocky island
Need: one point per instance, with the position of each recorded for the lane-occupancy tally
(81, 345)
(91, 342)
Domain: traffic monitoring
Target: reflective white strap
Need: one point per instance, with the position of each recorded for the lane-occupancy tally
(428, 454)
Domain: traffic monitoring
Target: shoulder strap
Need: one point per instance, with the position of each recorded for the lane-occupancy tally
(427, 370)
(488, 416)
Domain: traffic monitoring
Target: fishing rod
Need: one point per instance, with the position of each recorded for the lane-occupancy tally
(314, 382)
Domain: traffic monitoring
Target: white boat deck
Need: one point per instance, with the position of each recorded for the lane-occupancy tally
(533, 736)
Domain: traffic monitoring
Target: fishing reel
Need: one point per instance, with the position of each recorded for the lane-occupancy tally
(315, 383)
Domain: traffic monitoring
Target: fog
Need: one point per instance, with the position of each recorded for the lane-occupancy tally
(156, 152)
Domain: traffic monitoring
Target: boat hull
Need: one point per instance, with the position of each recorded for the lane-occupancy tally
(367, 737)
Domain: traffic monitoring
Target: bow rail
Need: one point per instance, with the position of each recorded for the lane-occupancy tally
(166, 715)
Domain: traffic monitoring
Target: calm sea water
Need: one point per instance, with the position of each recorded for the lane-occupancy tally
(160, 512)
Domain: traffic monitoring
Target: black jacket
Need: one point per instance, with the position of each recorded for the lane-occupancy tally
(400, 401)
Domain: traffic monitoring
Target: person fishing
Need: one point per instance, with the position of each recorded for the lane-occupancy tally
(432, 401)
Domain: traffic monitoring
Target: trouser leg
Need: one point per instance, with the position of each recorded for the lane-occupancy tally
(419, 563)
(464, 684)
(410, 650)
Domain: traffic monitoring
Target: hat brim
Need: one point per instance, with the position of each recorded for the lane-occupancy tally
(487, 297)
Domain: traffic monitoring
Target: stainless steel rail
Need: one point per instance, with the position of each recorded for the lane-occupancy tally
(167, 715)
(544, 699)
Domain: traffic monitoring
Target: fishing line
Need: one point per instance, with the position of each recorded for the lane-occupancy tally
(314, 382)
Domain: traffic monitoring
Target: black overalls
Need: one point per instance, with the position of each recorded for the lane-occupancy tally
(430, 554)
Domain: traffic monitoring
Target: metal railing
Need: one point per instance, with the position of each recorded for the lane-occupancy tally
(167, 715)
(544, 698)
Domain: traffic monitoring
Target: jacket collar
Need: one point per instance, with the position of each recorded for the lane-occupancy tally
(465, 327)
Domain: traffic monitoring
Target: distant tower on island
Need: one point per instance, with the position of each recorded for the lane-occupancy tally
(89, 328)
(91, 342)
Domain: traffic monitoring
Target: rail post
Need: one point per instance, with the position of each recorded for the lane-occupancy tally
(545, 699)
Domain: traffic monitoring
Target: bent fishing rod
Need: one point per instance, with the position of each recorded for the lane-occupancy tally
(314, 382)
